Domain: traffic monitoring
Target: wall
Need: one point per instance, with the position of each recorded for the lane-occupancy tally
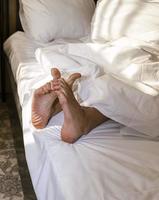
(12, 16)
(6, 31)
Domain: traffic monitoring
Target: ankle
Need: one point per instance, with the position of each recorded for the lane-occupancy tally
(86, 121)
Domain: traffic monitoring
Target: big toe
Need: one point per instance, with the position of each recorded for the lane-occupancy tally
(55, 73)
(72, 78)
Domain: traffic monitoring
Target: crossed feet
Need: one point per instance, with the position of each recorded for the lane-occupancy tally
(57, 95)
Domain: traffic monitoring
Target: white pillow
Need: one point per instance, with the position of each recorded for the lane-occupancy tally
(137, 19)
(46, 20)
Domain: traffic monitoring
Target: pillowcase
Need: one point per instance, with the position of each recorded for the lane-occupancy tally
(45, 20)
(133, 18)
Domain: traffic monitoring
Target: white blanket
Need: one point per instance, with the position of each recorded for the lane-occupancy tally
(121, 78)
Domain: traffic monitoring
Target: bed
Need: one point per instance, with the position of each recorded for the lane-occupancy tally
(116, 160)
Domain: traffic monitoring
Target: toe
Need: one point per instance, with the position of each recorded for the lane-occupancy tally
(72, 78)
(55, 73)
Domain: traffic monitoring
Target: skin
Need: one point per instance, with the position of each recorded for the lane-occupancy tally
(78, 120)
(45, 103)
(57, 95)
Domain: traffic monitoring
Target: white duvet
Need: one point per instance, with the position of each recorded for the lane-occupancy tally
(113, 161)
(121, 78)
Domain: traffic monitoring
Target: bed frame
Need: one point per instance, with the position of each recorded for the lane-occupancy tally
(11, 98)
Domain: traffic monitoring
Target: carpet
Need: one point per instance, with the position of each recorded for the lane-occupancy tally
(10, 182)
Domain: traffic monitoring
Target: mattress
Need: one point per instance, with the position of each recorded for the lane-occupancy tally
(107, 164)
(20, 51)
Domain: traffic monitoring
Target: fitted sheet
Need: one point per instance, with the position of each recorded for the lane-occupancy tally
(101, 165)
(20, 51)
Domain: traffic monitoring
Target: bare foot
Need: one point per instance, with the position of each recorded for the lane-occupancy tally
(70, 81)
(44, 99)
(77, 120)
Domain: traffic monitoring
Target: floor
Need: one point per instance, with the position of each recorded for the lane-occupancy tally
(10, 182)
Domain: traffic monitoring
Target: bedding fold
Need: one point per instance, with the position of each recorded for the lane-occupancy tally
(119, 78)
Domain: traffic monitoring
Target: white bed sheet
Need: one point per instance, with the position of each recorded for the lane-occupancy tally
(103, 165)
(20, 51)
